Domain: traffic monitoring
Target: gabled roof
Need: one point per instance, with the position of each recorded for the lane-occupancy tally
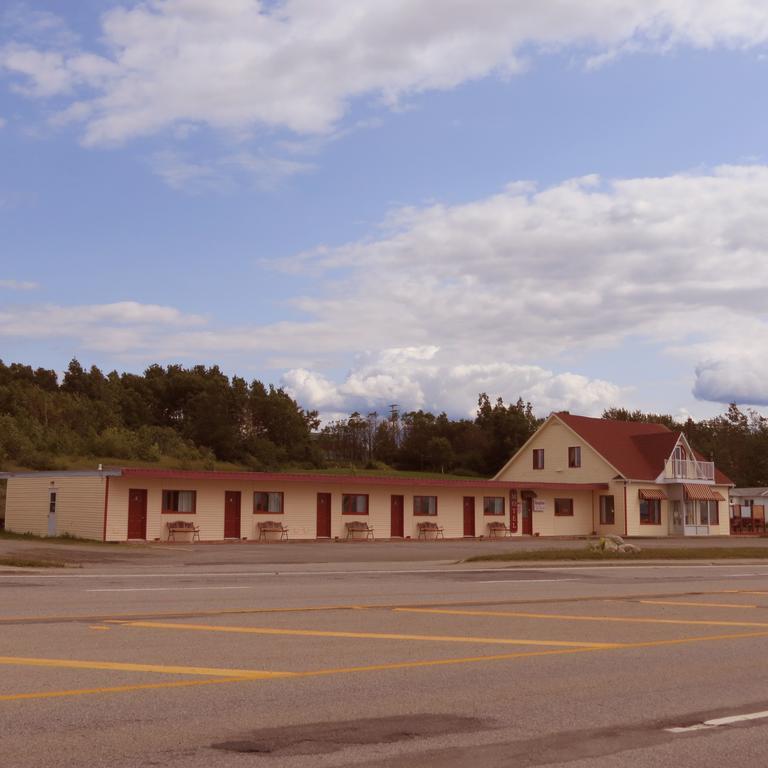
(637, 449)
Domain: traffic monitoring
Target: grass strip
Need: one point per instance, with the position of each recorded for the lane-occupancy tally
(651, 553)
(64, 539)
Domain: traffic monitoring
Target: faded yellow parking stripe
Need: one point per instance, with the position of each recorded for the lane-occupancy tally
(700, 605)
(241, 678)
(569, 617)
(116, 689)
(363, 635)
(119, 666)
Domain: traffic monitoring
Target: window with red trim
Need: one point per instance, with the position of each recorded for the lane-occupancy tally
(179, 502)
(493, 505)
(425, 505)
(268, 503)
(563, 507)
(354, 504)
(650, 511)
(538, 458)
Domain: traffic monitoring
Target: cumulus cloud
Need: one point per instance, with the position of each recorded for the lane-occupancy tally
(739, 379)
(297, 64)
(423, 377)
(504, 294)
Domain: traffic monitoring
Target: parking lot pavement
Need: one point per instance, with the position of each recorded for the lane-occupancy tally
(388, 666)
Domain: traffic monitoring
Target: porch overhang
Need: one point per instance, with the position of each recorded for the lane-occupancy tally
(541, 486)
(647, 494)
(701, 493)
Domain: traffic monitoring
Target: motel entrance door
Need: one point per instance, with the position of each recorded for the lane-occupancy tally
(527, 513)
(323, 515)
(469, 516)
(397, 522)
(137, 513)
(231, 514)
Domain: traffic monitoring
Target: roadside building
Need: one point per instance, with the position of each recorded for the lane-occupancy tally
(651, 481)
(747, 509)
(575, 476)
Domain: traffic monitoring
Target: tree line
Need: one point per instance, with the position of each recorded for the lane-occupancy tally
(199, 417)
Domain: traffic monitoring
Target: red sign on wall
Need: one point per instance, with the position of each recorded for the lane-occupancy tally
(513, 511)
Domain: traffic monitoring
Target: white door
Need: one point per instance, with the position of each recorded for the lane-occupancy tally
(52, 514)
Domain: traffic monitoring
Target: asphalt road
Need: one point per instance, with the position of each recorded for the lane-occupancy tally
(389, 663)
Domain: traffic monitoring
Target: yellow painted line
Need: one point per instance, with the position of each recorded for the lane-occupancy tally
(700, 605)
(748, 592)
(244, 676)
(567, 617)
(115, 689)
(119, 666)
(362, 635)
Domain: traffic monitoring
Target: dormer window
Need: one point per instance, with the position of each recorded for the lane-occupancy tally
(574, 456)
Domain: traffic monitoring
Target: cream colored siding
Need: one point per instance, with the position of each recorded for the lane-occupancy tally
(79, 505)
(26, 506)
(615, 489)
(545, 523)
(555, 438)
(299, 507)
(724, 529)
(634, 526)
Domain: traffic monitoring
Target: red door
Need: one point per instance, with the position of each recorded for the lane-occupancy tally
(137, 513)
(528, 515)
(323, 515)
(231, 514)
(397, 523)
(469, 515)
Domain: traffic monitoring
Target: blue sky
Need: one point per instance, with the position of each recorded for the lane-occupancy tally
(388, 204)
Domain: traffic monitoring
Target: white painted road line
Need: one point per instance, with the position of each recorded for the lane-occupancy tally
(719, 722)
(521, 581)
(378, 572)
(215, 574)
(157, 589)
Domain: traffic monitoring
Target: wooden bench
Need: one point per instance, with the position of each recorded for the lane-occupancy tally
(426, 528)
(358, 526)
(183, 526)
(497, 529)
(271, 526)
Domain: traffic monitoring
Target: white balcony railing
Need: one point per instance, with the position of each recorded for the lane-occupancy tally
(684, 469)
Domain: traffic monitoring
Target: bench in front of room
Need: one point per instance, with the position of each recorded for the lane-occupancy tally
(272, 526)
(359, 526)
(498, 529)
(427, 528)
(182, 526)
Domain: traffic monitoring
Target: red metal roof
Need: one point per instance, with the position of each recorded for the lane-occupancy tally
(316, 479)
(321, 480)
(637, 449)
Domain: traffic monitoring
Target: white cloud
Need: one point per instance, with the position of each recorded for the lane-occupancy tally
(118, 327)
(18, 285)
(505, 294)
(739, 379)
(296, 64)
(225, 173)
(425, 378)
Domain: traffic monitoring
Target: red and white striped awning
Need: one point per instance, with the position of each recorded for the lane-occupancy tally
(652, 493)
(702, 493)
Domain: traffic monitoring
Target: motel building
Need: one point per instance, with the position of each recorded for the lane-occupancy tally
(574, 476)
